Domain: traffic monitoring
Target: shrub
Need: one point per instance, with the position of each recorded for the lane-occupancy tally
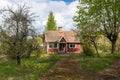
(104, 48)
(88, 50)
(40, 51)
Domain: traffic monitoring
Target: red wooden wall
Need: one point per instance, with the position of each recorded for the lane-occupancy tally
(52, 50)
(77, 49)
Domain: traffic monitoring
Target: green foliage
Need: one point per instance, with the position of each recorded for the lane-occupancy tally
(31, 69)
(34, 46)
(3, 48)
(39, 51)
(118, 44)
(87, 29)
(88, 50)
(104, 44)
(37, 47)
(95, 64)
(113, 57)
(42, 50)
(17, 28)
(104, 13)
(51, 24)
(104, 48)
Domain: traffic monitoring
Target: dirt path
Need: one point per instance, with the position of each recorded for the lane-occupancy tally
(70, 69)
(112, 73)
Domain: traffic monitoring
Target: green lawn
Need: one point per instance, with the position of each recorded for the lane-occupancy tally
(31, 69)
(34, 67)
(95, 64)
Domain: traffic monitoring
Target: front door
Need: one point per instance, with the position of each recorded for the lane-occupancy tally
(62, 47)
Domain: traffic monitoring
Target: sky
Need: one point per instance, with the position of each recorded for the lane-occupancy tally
(64, 11)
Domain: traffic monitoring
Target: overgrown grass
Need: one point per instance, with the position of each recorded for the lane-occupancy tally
(31, 69)
(95, 64)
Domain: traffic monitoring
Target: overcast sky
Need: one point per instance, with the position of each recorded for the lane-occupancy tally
(64, 10)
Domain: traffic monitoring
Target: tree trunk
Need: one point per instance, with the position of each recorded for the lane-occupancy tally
(118, 48)
(95, 45)
(96, 49)
(113, 39)
(29, 53)
(113, 46)
(18, 60)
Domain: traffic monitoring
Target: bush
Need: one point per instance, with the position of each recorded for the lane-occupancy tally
(88, 50)
(104, 48)
(40, 51)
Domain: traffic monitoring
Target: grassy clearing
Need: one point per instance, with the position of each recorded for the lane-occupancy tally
(95, 64)
(31, 69)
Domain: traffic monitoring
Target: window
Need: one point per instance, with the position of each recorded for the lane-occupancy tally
(72, 45)
(52, 45)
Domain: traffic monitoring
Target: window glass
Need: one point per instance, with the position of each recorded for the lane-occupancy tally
(72, 45)
(52, 45)
(55, 45)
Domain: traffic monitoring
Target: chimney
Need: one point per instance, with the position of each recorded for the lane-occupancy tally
(60, 29)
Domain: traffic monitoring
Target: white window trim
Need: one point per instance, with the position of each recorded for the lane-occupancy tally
(72, 47)
(54, 47)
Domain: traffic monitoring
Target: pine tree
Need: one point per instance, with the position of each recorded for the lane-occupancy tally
(51, 24)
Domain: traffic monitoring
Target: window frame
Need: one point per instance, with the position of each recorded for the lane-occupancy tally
(72, 45)
(53, 45)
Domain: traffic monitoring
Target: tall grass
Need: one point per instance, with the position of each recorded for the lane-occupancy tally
(31, 69)
(95, 64)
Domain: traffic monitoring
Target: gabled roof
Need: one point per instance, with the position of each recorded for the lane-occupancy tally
(62, 39)
(55, 36)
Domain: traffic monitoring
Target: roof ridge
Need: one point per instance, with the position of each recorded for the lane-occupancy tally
(53, 36)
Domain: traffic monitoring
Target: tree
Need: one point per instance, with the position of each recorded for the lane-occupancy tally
(51, 24)
(104, 12)
(88, 33)
(87, 29)
(17, 29)
(34, 44)
(118, 44)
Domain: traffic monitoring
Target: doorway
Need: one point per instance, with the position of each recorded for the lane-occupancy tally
(62, 47)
